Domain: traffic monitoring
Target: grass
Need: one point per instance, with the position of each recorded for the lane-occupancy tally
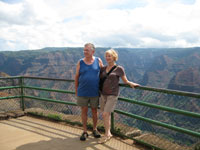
(55, 117)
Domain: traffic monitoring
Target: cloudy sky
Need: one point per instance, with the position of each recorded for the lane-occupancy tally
(35, 24)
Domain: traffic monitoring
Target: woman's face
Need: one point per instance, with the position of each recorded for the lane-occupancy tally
(109, 58)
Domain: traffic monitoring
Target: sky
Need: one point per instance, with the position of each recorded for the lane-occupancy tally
(35, 24)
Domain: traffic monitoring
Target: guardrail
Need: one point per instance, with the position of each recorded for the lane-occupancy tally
(151, 131)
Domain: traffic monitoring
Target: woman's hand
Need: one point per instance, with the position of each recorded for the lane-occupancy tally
(133, 85)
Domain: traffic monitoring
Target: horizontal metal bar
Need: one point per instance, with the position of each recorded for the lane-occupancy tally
(13, 77)
(169, 109)
(50, 100)
(168, 91)
(47, 89)
(43, 78)
(9, 87)
(168, 126)
(10, 97)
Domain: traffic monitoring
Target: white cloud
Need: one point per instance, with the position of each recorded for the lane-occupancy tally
(34, 24)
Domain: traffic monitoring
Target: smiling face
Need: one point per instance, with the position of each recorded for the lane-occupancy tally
(109, 58)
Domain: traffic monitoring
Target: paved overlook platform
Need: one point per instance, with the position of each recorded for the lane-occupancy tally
(30, 133)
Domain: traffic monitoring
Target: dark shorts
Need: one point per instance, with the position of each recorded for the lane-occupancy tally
(84, 101)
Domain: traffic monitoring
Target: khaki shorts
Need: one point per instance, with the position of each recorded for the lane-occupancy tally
(84, 101)
(107, 103)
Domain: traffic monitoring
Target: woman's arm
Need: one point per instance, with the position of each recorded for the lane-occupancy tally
(131, 84)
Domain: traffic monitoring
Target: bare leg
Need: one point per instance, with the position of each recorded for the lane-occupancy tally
(94, 117)
(84, 111)
(106, 118)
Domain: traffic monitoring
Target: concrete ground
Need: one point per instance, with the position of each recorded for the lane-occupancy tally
(29, 133)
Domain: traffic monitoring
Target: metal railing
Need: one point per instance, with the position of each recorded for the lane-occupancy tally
(141, 114)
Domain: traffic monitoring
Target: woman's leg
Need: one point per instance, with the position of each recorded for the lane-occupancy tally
(106, 118)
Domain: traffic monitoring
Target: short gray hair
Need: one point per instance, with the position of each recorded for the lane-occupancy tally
(91, 45)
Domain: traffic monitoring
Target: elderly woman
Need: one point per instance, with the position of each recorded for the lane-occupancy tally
(110, 89)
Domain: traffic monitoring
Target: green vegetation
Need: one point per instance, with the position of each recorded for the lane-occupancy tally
(36, 113)
(55, 117)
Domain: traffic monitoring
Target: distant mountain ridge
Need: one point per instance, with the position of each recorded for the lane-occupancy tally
(175, 68)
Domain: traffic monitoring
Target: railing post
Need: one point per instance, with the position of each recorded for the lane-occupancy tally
(22, 92)
(112, 122)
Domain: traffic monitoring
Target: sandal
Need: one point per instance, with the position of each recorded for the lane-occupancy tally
(104, 139)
